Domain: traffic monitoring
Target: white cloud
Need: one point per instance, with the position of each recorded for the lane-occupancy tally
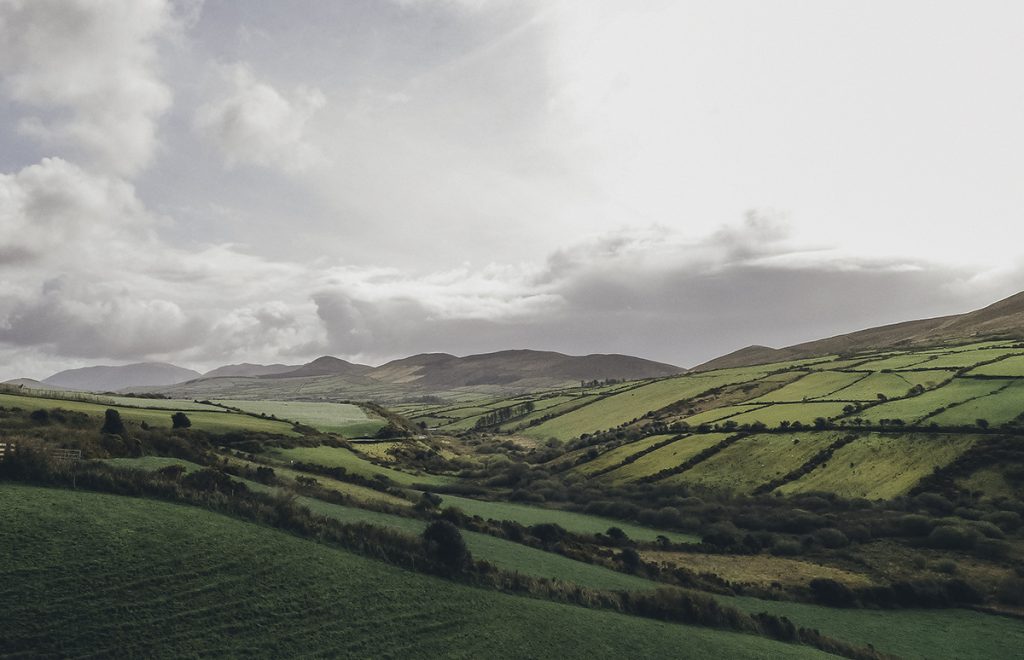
(90, 69)
(255, 124)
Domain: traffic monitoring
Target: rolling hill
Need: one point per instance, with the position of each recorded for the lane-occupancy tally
(1002, 319)
(112, 379)
(247, 369)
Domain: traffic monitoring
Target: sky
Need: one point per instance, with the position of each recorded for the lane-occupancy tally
(217, 182)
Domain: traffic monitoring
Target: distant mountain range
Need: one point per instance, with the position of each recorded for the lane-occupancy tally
(426, 371)
(1003, 319)
(112, 379)
(511, 370)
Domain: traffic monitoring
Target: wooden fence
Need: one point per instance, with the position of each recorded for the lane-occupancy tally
(71, 455)
(6, 448)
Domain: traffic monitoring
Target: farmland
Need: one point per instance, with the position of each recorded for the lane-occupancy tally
(344, 418)
(202, 583)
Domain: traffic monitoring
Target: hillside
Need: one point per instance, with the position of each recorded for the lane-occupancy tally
(112, 379)
(442, 371)
(323, 366)
(247, 369)
(1002, 319)
(201, 583)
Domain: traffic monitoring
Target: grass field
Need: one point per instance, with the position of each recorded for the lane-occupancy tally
(805, 413)
(814, 385)
(667, 457)
(895, 362)
(345, 418)
(185, 405)
(718, 414)
(960, 634)
(340, 457)
(761, 570)
(569, 520)
(504, 554)
(214, 422)
(617, 455)
(962, 359)
(881, 466)
(917, 407)
(1003, 406)
(1012, 367)
(140, 578)
(754, 460)
(889, 384)
(619, 408)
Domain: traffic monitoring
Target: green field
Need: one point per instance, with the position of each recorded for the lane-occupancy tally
(340, 457)
(616, 456)
(185, 405)
(667, 457)
(345, 418)
(814, 385)
(964, 359)
(916, 634)
(754, 460)
(805, 413)
(881, 466)
(620, 408)
(140, 578)
(1003, 406)
(718, 414)
(214, 422)
(579, 523)
(889, 384)
(504, 554)
(895, 362)
(916, 408)
(1012, 367)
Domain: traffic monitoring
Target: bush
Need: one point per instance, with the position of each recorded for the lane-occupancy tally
(830, 537)
(444, 544)
(832, 593)
(180, 420)
(952, 537)
(112, 422)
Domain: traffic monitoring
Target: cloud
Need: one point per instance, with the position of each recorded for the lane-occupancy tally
(255, 124)
(90, 70)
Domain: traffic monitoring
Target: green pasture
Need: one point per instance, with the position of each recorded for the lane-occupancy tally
(915, 408)
(1012, 367)
(815, 384)
(998, 408)
(882, 466)
(202, 584)
(617, 455)
(754, 460)
(891, 385)
(667, 457)
(344, 418)
(335, 457)
(775, 414)
(213, 422)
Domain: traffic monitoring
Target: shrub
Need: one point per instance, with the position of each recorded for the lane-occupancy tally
(180, 420)
(830, 537)
(952, 537)
(832, 593)
(444, 544)
(112, 422)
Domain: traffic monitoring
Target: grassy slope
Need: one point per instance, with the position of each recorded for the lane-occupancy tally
(755, 460)
(617, 455)
(890, 384)
(1003, 406)
(915, 634)
(881, 466)
(569, 520)
(341, 457)
(667, 457)
(805, 413)
(133, 577)
(1011, 366)
(916, 407)
(625, 406)
(215, 422)
(814, 384)
(344, 418)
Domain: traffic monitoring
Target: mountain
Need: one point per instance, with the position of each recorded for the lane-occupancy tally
(112, 379)
(440, 370)
(248, 369)
(1001, 320)
(324, 366)
(31, 384)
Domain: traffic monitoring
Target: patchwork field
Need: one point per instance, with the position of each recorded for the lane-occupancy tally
(616, 456)
(918, 407)
(881, 466)
(1012, 367)
(815, 384)
(339, 457)
(667, 457)
(998, 408)
(754, 460)
(805, 413)
(889, 384)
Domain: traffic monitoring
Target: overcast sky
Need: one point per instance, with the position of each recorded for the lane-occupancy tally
(216, 182)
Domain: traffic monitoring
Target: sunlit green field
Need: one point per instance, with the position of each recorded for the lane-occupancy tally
(344, 418)
(667, 457)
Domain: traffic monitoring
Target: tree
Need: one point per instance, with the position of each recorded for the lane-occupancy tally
(444, 544)
(112, 422)
(180, 420)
